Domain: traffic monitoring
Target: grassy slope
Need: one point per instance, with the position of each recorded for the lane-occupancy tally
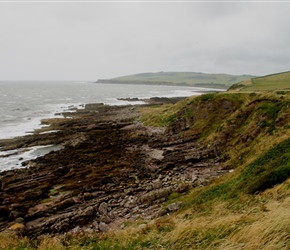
(184, 78)
(280, 81)
(246, 209)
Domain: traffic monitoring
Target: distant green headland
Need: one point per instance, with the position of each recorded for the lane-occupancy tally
(195, 79)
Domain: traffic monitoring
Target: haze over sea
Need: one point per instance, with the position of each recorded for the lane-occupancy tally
(24, 104)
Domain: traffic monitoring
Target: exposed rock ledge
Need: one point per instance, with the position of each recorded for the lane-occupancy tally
(111, 169)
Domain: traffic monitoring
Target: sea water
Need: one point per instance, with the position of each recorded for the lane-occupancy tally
(24, 103)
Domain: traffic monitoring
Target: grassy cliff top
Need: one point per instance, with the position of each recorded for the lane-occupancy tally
(181, 78)
(279, 81)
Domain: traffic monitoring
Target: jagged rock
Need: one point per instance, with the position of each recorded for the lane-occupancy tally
(93, 106)
(181, 188)
(128, 191)
(112, 215)
(132, 202)
(4, 212)
(14, 215)
(65, 203)
(76, 230)
(142, 226)
(155, 195)
(194, 178)
(87, 196)
(103, 208)
(105, 218)
(36, 209)
(32, 193)
(156, 184)
(129, 99)
(95, 226)
(60, 222)
(174, 206)
(103, 227)
(161, 212)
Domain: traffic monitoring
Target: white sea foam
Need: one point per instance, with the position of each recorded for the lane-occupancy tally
(20, 127)
(13, 159)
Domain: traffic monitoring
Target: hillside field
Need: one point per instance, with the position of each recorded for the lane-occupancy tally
(279, 81)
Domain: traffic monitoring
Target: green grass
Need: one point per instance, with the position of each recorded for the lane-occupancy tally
(270, 111)
(275, 82)
(160, 115)
(270, 169)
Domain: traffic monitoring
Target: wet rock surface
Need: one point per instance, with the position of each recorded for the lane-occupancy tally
(111, 169)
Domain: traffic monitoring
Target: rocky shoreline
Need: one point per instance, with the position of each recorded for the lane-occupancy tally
(111, 169)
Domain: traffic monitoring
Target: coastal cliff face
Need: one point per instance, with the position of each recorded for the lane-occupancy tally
(113, 169)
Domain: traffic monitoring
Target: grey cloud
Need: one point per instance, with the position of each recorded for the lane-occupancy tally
(87, 41)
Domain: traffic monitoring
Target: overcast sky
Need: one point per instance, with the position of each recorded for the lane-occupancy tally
(92, 40)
